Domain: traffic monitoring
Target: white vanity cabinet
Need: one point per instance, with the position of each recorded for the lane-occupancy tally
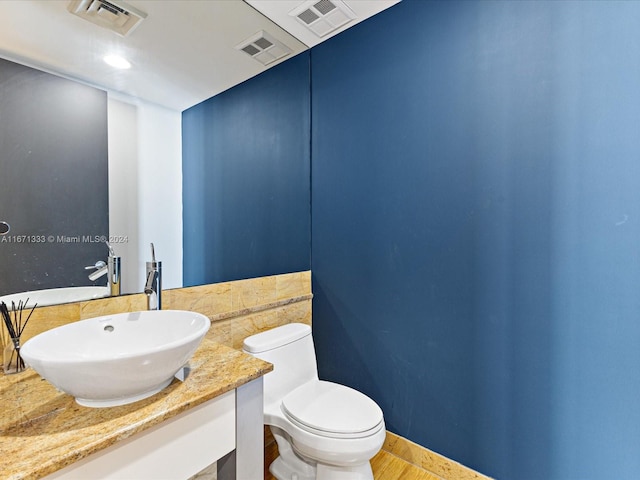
(227, 429)
(214, 415)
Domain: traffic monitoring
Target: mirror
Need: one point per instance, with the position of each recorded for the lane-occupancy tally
(143, 177)
(170, 73)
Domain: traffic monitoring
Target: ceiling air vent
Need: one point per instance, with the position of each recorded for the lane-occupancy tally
(264, 48)
(324, 16)
(114, 15)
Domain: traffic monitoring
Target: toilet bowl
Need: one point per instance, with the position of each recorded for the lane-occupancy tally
(324, 430)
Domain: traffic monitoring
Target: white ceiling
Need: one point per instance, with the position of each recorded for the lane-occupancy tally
(279, 12)
(181, 54)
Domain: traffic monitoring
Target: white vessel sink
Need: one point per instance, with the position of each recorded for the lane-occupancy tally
(55, 296)
(116, 359)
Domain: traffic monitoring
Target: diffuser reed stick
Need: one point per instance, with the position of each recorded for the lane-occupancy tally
(15, 326)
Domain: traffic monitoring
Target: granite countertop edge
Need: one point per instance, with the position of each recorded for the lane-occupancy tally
(38, 440)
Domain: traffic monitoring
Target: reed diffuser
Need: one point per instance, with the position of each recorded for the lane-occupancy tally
(12, 360)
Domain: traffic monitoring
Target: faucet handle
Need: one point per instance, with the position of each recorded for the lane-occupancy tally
(98, 265)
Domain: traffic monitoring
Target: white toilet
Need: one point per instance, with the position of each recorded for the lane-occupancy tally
(324, 431)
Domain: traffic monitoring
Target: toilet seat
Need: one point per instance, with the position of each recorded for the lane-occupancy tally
(331, 410)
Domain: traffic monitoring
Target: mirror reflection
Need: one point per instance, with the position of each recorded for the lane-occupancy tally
(140, 119)
(54, 164)
(84, 168)
(84, 162)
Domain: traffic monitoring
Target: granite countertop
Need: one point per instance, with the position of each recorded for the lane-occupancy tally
(43, 430)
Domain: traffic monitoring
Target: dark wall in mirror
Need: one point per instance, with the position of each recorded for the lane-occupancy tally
(246, 185)
(53, 180)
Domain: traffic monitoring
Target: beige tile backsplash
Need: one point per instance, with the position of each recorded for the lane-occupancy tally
(236, 309)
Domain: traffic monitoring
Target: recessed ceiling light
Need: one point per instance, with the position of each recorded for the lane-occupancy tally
(117, 61)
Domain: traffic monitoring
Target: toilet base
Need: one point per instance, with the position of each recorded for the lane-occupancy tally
(291, 466)
(282, 471)
(358, 472)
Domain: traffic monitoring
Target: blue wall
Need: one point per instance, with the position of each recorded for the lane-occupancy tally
(475, 222)
(246, 179)
(476, 229)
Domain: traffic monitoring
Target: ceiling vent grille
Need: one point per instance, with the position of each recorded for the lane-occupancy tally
(113, 14)
(264, 48)
(324, 16)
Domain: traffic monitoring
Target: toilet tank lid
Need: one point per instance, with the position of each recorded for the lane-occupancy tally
(276, 337)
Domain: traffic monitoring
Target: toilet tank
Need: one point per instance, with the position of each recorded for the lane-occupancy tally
(290, 349)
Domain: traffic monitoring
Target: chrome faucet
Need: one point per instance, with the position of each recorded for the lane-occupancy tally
(114, 264)
(111, 269)
(153, 287)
